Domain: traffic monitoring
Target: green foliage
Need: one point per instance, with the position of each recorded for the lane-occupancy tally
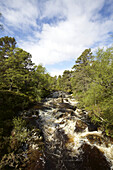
(19, 74)
(52, 83)
(19, 133)
(81, 76)
(5, 130)
(11, 103)
(18, 156)
(40, 82)
(16, 71)
(107, 109)
(64, 81)
(92, 84)
(59, 83)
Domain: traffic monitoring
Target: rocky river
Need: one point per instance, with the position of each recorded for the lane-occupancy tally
(71, 141)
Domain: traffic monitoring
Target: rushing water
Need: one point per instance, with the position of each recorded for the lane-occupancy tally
(71, 141)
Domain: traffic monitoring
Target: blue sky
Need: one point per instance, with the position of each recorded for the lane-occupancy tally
(56, 32)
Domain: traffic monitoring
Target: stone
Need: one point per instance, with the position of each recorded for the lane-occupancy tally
(80, 126)
(93, 158)
(95, 139)
(66, 106)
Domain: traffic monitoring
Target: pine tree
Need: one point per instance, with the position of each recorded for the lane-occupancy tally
(81, 74)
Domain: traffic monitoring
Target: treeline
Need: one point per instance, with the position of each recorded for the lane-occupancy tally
(91, 82)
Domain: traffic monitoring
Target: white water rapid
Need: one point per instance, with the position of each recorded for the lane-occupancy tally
(71, 140)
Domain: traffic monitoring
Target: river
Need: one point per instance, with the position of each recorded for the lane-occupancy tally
(72, 142)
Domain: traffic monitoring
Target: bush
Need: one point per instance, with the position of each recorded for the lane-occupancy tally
(11, 103)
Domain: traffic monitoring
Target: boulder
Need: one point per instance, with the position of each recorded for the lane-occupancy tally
(93, 158)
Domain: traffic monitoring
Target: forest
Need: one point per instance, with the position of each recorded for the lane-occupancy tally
(24, 84)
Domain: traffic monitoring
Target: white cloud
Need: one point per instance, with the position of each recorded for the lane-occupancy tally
(20, 13)
(82, 27)
(56, 72)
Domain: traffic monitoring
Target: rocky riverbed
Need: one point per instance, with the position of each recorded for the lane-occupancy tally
(71, 140)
